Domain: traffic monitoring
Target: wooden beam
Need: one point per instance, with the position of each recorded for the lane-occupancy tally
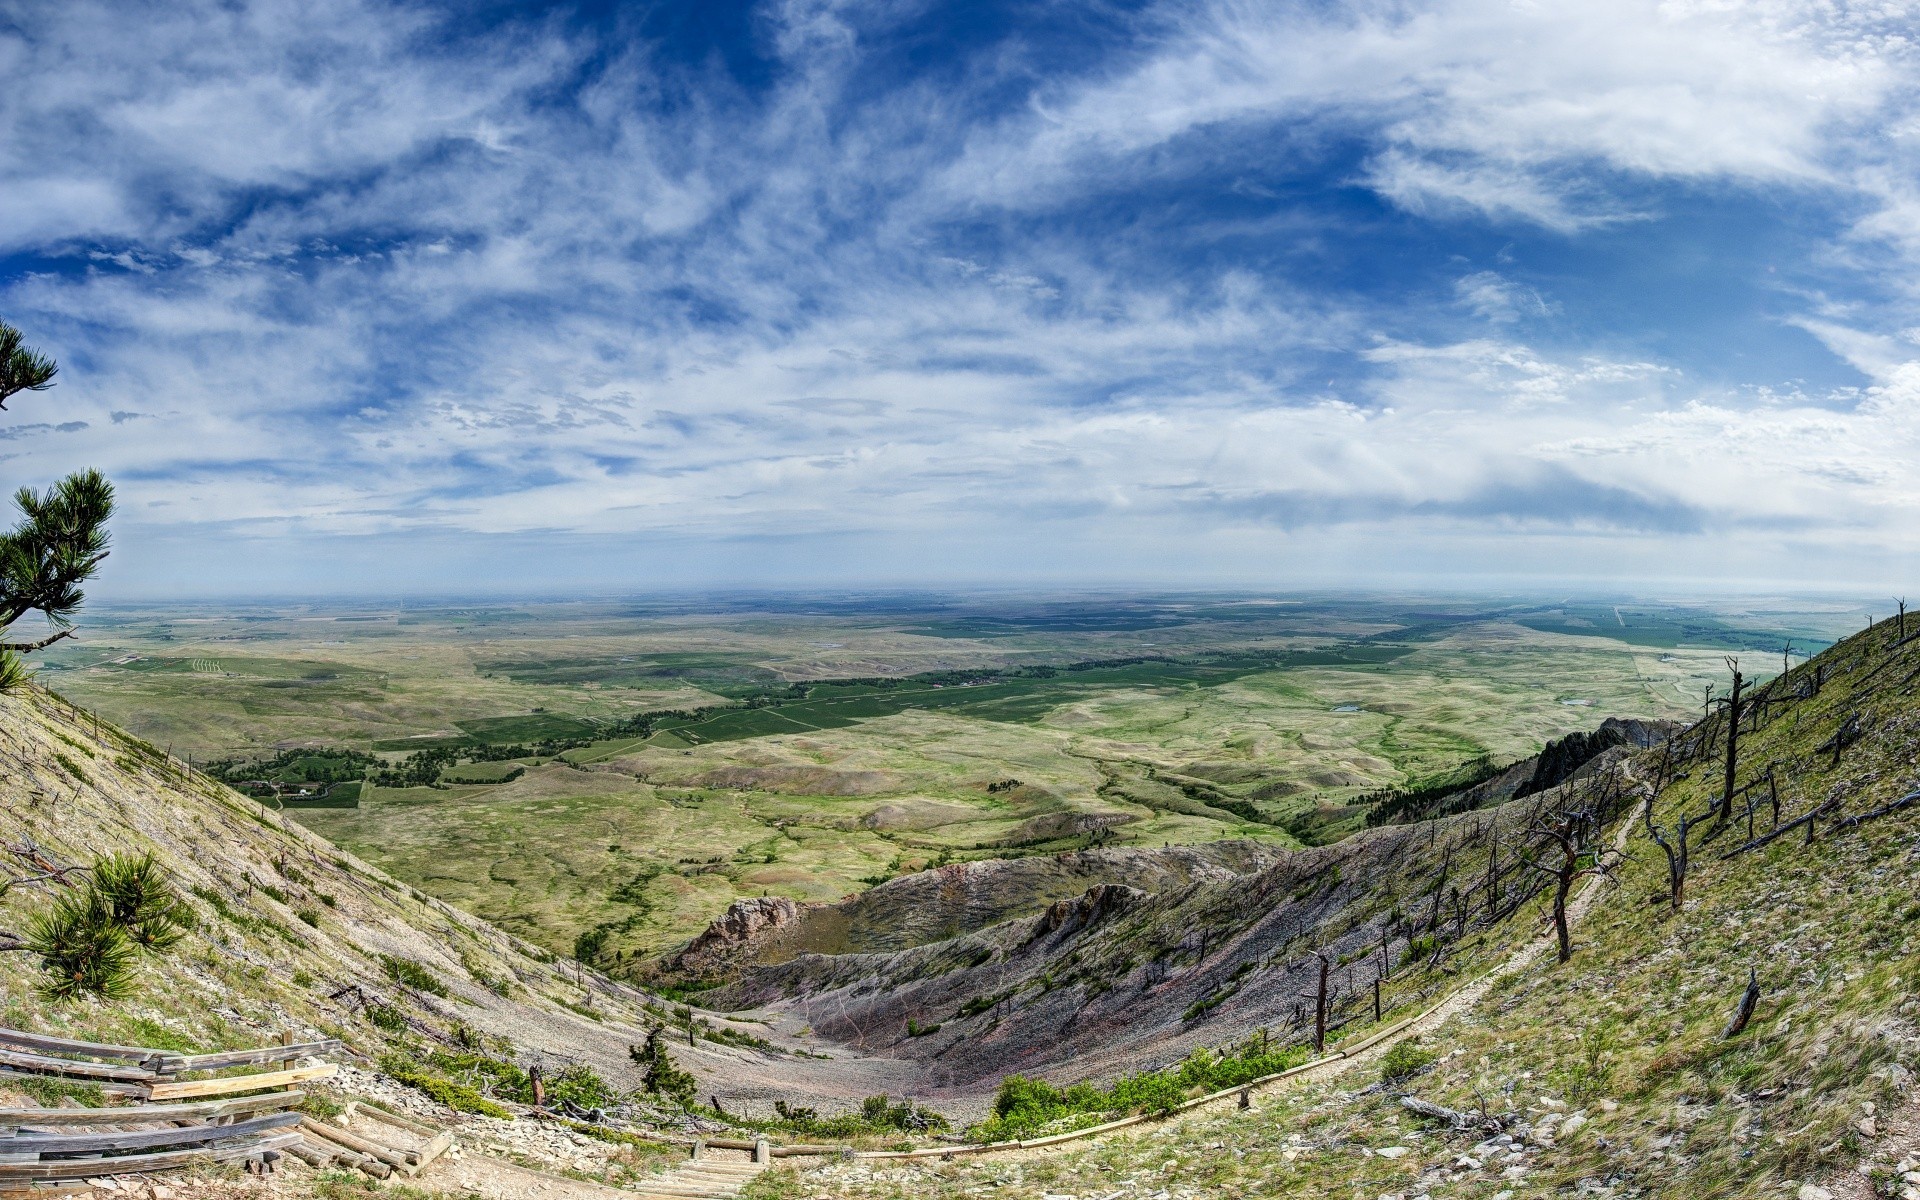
(72, 1068)
(356, 1108)
(138, 1090)
(40, 1041)
(88, 1168)
(143, 1139)
(174, 1064)
(400, 1160)
(144, 1114)
(240, 1083)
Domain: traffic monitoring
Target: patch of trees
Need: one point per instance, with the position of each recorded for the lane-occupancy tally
(1392, 806)
(292, 769)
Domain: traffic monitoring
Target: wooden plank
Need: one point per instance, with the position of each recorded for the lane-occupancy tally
(174, 1064)
(141, 1114)
(399, 1160)
(357, 1109)
(20, 1060)
(143, 1139)
(40, 1041)
(138, 1090)
(88, 1168)
(240, 1083)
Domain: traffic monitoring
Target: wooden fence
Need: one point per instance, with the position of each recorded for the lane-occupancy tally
(217, 1122)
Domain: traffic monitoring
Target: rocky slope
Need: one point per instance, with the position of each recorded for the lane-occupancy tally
(1628, 1070)
(946, 902)
(292, 933)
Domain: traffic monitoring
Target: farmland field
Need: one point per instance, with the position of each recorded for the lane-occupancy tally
(810, 746)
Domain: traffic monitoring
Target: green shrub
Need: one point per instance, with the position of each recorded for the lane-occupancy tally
(387, 1017)
(1024, 1106)
(82, 949)
(90, 940)
(135, 889)
(663, 1077)
(411, 974)
(1404, 1061)
(310, 915)
(454, 1095)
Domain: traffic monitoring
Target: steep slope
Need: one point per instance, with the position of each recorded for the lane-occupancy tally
(294, 934)
(1119, 979)
(934, 905)
(1625, 1071)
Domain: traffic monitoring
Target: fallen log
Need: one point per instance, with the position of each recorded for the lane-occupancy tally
(1905, 801)
(1782, 830)
(1452, 1116)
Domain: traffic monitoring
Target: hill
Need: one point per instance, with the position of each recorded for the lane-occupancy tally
(1626, 1070)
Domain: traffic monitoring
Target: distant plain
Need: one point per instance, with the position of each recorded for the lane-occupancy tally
(933, 730)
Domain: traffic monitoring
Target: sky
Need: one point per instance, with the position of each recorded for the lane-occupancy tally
(393, 297)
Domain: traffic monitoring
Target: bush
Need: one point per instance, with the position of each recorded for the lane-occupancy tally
(387, 1017)
(454, 1095)
(411, 974)
(663, 1077)
(580, 1084)
(90, 940)
(1024, 1106)
(1404, 1061)
(310, 915)
(141, 901)
(82, 949)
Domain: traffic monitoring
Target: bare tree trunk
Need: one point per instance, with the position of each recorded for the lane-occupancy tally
(1320, 1006)
(1733, 742)
(1560, 888)
(1747, 1003)
(1439, 889)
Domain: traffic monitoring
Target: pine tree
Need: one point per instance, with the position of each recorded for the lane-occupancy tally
(663, 1077)
(61, 538)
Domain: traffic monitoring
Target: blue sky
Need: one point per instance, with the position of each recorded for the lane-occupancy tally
(365, 296)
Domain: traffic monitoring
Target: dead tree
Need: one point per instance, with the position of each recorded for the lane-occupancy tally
(1439, 889)
(1748, 1001)
(1902, 602)
(1493, 875)
(1677, 851)
(1319, 998)
(1733, 740)
(1574, 861)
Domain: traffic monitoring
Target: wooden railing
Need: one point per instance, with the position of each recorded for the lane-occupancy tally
(64, 1144)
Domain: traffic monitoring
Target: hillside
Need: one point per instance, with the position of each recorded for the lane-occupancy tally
(289, 933)
(1620, 1072)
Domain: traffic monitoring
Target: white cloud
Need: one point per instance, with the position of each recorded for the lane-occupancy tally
(370, 282)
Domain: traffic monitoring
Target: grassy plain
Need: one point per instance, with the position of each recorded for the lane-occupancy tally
(1212, 718)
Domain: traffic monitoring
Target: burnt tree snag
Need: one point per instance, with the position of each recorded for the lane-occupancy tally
(1575, 860)
(1748, 1001)
(1319, 999)
(1733, 740)
(1677, 850)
